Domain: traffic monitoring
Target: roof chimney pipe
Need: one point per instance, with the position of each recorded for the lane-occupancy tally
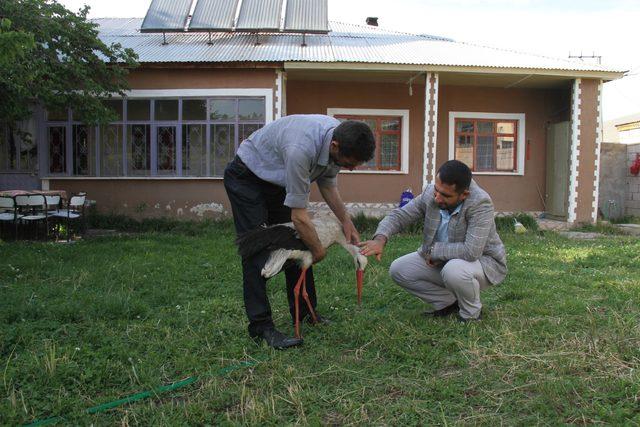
(373, 21)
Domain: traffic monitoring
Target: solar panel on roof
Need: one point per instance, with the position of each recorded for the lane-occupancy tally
(307, 16)
(166, 15)
(214, 15)
(256, 15)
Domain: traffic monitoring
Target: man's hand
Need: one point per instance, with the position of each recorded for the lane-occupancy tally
(373, 247)
(433, 263)
(319, 254)
(350, 231)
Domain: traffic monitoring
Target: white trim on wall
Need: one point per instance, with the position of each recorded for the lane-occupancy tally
(426, 143)
(267, 93)
(520, 117)
(404, 132)
(575, 147)
(434, 144)
(279, 82)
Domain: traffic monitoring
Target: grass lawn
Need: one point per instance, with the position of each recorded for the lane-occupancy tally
(93, 322)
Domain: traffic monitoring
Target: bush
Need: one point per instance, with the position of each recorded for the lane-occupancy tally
(506, 224)
(124, 223)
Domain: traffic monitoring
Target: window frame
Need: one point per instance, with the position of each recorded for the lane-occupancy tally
(160, 95)
(519, 118)
(381, 113)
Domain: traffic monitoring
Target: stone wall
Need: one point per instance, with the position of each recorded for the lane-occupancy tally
(619, 190)
(613, 181)
(633, 182)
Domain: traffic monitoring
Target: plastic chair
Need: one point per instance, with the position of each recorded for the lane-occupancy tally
(53, 205)
(74, 210)
(9, 213)
(33, 209)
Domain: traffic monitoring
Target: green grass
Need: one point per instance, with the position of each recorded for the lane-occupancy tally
(95, 321)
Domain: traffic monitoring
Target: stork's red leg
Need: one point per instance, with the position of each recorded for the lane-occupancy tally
(305, 296)
(359, 280)
(296, 295)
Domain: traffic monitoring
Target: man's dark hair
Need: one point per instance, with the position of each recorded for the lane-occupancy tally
(355, 140)
(454, 172)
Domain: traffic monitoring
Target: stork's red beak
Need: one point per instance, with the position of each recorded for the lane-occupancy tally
(359, 281)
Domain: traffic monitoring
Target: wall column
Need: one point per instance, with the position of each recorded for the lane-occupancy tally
(585, 154)
(430, 128)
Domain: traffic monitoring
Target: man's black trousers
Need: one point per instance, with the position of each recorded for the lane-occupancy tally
(255, 202)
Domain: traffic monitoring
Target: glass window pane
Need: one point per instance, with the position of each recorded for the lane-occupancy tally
(485, 127)
(57, 115)
(83, 150)
(222, 109)
(115, 106)
(56, 143)
(222, 147)
(506, 127)
(389, 149)
(138, 109)
(138, 150)
(247, 129)
(464, 149)
(391, 124)
(194, 109)
(12, 145)
(251, 109)
(194, 150)
(4, 149)
(166, 137)
(111, 150)
(166, 109)
(26, 140)
(484, 153)
(464, 126)
(505, 153)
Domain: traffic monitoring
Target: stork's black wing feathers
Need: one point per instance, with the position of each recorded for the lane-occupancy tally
(268, 238)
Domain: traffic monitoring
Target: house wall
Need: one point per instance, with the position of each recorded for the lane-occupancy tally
(181, 197)
(205, 197)
(514, 192)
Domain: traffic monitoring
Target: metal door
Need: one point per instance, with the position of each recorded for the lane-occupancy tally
(557, 182)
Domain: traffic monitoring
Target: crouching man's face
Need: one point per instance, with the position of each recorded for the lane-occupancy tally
(446, 195)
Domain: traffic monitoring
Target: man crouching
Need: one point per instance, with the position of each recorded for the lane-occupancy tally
(461, 253)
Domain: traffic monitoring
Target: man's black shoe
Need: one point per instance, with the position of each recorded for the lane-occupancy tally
(469, 319)
(443, 312)
(276, 339)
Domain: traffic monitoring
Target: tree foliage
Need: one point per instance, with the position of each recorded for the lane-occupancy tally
(53, 57)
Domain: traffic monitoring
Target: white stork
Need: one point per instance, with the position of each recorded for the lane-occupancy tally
(284, 244)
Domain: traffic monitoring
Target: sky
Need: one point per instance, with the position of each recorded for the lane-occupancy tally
(606, 28)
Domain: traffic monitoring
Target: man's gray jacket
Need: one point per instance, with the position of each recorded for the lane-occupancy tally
(472, 232)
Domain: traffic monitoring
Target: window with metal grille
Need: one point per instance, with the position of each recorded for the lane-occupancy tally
(487, 145)
(155, 137)
(388, 134)
(18, 148)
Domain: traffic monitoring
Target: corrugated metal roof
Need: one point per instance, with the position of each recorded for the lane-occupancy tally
(214, 15)
(345, 43)
(259, 15)
(307, 15)
(167, 15)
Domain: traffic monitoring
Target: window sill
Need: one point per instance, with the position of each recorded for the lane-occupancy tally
(137, 178)
(366, 172)
(499, 173)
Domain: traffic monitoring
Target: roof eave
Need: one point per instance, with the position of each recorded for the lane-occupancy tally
(364, 66)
